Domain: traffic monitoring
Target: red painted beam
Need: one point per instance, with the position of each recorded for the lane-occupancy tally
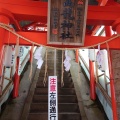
(37, 11)
(34, 11)
(102, 15)
(96, 27)
(37, 37)
(41, 38)
(35, 27)
(10, 16)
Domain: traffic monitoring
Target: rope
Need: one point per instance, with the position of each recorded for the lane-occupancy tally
(31, 67)
(7, 27)
(79, 69)
(45, 75)
(62, 72)
(17, 47)
(9, 38)
(96, 68)
(1, 56)
(2, 81)
(1, 64)
(109, 61)
(16, 52)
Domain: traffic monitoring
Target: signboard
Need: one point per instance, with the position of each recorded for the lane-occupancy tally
(52, 98)
(66, 21)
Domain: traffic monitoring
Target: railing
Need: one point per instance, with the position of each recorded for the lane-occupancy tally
(84, 62)
(10, 79)
(98, 85)
(8, 86)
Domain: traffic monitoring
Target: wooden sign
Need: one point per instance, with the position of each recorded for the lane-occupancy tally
(66, 22)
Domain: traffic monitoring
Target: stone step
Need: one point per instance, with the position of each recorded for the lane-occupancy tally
(41, 85)
(51, 64)
(61, 99)
(61, 91)
(66, 79)
(62, 107)
(61, 116)
(51, 68)
(58, 71)
(51, 59)
(58, 74)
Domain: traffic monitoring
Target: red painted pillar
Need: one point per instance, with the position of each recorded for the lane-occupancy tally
(77, 55)
(113, 97)
(92, 81)
(108, 31)
(118, 28)
(5, 20)
(16, 80)
(112, 88)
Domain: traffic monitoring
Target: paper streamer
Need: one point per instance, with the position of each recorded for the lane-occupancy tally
(67, 60)
(38, 57)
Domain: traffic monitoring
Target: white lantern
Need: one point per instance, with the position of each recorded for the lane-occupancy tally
(102, 60)
(91, 54)
(9, 58)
